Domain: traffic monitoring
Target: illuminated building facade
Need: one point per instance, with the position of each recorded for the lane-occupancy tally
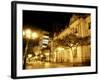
(79, 51)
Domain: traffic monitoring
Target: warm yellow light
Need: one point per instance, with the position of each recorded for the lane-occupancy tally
(47, 54)
(71, 45)
(44, 46)
(29, 55)
(41, 56)
(34, 35)
(60, 48)
(28, 33)
(23, 33)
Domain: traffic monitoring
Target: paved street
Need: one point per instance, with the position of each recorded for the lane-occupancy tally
(39, 64)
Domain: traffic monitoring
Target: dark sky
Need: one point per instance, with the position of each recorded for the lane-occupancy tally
(48, 21)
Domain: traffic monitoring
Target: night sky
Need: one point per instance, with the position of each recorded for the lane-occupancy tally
(48, 21)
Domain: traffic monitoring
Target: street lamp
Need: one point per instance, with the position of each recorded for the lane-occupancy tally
(34, 35)
(28, 34)
(23, 33)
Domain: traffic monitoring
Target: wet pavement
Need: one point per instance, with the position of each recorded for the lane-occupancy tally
(40, 64)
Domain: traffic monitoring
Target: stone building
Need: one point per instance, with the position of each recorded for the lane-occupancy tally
(80, 53)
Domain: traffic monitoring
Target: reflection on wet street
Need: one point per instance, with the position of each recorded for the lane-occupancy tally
(40, 64)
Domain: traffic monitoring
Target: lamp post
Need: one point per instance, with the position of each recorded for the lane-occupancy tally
(28, 34)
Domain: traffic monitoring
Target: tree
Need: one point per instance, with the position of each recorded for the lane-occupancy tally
(71, 41)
